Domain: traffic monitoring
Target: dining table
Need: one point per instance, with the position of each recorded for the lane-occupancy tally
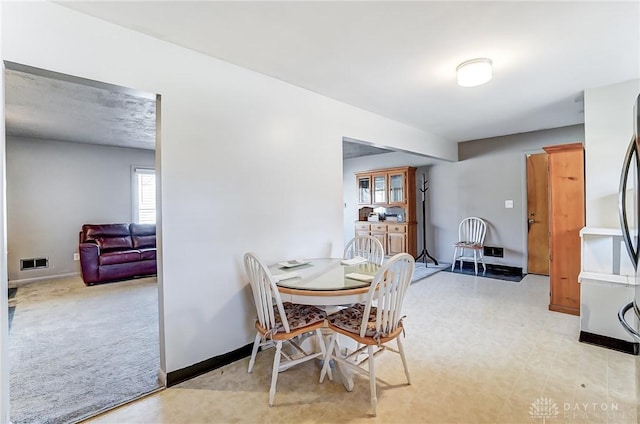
(323, 281)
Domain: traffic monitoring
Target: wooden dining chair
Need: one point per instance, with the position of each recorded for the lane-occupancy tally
(373, 326)
(470, 244)
(365, 246)
(279, 322)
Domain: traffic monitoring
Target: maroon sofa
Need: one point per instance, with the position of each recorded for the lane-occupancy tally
(111, 252)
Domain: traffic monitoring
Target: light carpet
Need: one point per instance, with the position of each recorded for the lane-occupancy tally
(423, 270)
(77, 350)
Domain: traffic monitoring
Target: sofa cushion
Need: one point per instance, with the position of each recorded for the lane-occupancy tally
(119, 257)
(114, 243)
(140, 242)
(93, 231)
(143, 229)
(147, 254)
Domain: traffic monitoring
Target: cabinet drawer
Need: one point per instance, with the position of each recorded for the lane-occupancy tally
(396, 228)
(362, 226)
(379, 228)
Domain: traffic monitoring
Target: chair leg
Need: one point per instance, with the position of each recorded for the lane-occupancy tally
(254, 352)
(475, 261)
(274, 373)
(455, 255)
(404, 359)
(372, 380)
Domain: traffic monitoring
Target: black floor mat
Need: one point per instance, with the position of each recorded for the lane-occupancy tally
(495, 272)
(12, 309)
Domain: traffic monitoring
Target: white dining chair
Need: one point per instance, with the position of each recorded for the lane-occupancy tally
(373, 326)
(365, 246)
(279, 322)
(470, 244)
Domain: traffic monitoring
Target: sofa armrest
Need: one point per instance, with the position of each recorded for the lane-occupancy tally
(89, 258)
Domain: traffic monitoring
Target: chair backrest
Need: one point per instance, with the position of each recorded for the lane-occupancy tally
(388, 289)
(265, 293)
(366, 247)
(472, 230)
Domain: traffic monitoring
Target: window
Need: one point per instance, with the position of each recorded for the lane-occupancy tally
(144, 195)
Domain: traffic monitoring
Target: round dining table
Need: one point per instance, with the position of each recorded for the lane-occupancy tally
(323, 281)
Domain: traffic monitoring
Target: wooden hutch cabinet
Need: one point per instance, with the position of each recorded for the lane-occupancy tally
(390, 193)
(567, 217)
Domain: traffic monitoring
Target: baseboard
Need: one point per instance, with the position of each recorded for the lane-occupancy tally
(610, 343)
(184, 374)
(15, 283)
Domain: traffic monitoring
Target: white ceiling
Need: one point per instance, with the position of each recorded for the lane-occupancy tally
(52, 106)
(398, 59)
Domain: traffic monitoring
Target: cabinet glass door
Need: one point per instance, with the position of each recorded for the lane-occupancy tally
(396, 188)
(380, 189)
(364, 190)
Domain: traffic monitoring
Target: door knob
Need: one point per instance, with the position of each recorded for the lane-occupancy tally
(531, 221)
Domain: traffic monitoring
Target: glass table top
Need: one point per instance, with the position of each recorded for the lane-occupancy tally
(324, 275)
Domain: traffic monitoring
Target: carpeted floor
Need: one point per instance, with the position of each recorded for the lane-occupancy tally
(77, 350)
(423, 270)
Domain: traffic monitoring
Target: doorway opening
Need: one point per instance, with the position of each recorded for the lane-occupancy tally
(71, 144)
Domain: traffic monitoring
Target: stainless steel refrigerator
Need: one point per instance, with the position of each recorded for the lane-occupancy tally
(629, 209)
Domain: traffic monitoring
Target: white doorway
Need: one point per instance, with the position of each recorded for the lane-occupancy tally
(71, 143)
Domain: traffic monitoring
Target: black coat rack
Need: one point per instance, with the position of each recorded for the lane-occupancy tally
(425, 253)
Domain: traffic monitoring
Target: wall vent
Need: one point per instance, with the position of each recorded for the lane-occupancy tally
(34, 263)
(496, 252)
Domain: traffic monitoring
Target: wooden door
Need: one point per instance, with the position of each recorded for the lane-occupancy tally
(567, 217)
(537, 214)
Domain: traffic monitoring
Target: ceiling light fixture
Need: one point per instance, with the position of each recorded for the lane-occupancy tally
(474, 72)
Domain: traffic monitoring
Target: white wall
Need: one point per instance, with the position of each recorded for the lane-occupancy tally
(53, 188)
(265, 153)
(608, 131)
(4, 316)
(489, 172)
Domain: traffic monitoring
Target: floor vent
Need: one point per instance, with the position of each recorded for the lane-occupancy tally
(34, 263)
